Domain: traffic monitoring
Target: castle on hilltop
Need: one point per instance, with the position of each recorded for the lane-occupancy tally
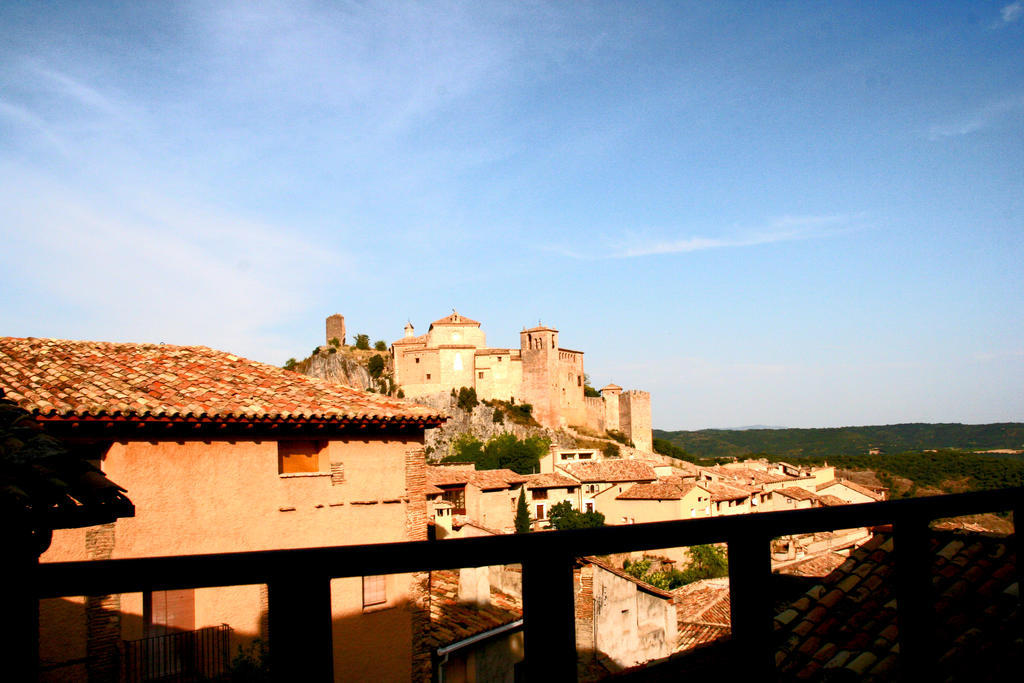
(454, 354)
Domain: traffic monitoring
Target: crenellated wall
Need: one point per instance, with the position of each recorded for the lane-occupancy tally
(635, 418)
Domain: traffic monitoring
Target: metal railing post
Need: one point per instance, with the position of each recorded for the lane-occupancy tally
(301, 647)
(750, 573)
(549, 622)
(914, 605)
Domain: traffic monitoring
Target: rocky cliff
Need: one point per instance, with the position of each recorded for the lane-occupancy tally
(342, 367)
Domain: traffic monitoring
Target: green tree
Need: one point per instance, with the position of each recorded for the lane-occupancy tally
(363, 342)
(706, 562)
(467, 399)
(498, 417)
(588, 390)
(290, 364)
(375, 366)
(611, 450)
(380, 345)
(564, 516)
(335, 342)
(522, 514)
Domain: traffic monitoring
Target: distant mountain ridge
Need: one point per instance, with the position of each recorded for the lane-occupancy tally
(836, 441)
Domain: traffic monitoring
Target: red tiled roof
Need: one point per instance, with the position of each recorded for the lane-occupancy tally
(421, 339)
(657, 490)
(702, 612)
(720, 491)
(448, 475)
(849, 620)
(610, 471)
(454, 319)
(859, 488)
(797, 493)
(611, 387)
(62, 379)
(746, 474)
(451, 621)
(549, 481)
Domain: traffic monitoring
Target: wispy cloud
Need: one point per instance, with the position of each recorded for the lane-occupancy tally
(978, 120)
(1009, 14)
(783, 229)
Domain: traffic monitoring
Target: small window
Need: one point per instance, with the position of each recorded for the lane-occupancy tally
(588, 507)
(540, 494)
(417, 359)
(572, 489)
(586, 456)
(499, 359)
(375, 590)
(540, 512)
(579, 381)
(480, 375)
(428, 375)
(294, 457)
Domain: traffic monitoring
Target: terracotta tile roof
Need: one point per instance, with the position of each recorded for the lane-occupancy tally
(758, 477)
(497, 479)
(448, 475)
(657, 490)
(848, 622)
(859, 488)
(702, 613)
(64, 379)
(454, 319)
(797, 493)
(451, 621)
(421, 339)
(817, 566)
(610, 471)
(720, 491)
(830, 500)
(611, 387)
(551, 480)
(432, 490)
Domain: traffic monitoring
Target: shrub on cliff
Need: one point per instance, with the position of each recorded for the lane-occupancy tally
(363, 342)
(375, 366)
(380, 345)
(467, 399)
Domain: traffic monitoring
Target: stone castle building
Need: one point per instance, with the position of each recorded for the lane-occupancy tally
(454, 354)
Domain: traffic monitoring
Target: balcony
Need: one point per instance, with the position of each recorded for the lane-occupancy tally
(298, 581)
(183, 657)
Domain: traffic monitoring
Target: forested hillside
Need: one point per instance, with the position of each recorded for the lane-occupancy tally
(797, 443)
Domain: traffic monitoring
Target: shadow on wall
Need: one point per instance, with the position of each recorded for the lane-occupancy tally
(89, 638)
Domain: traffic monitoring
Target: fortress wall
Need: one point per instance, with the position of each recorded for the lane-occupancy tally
(595, 413)
(413, 377)
(457, 368)
(635, 418)
(611, 410)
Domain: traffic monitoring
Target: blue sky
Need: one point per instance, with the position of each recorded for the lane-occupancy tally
(801, 214)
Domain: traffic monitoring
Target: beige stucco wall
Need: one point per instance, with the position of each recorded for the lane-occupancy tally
(554, 497)
(469, 335)
(631, 626)
(494, 509)
(412, 376)
(641, 511)
(197, 497)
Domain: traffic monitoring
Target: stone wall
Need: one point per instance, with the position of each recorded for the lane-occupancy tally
(335, 328)
(594, 407)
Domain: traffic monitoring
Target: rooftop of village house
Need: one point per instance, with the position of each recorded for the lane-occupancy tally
(62, 378)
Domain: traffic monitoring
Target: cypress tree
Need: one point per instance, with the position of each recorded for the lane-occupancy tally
(522, 514)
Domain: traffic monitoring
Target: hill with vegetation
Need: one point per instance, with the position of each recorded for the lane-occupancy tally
(840, 441)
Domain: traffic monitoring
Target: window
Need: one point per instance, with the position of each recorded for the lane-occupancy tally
(457, 497)
(168, 611)
(588, 507)
(428, 375)
(417, 359)
(298, 457)
(586, 456)
(540, 512)
(499, 359)
(480, 375)
(571, 489)
(540, 494)
(375, 590)
(579, 381)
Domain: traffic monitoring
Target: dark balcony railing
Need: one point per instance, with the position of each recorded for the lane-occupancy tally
(181, 657)
(299, 580)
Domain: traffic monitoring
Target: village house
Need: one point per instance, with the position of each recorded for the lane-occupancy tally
(544, 491)
(454, 354)
(221, 454)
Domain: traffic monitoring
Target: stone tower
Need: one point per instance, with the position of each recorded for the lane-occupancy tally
(635, 418)
(539, 348)
(610, 394)
(336, 328)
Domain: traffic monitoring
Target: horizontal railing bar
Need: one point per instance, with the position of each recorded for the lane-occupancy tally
(101, 577)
